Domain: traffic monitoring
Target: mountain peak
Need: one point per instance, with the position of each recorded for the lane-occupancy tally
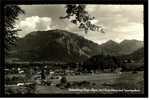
(61, 45)
(57, 30)
(55, 45)
(130, 41)
(132, 44)
(110, 42)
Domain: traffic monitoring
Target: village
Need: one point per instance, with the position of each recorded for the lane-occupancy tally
(31, 78)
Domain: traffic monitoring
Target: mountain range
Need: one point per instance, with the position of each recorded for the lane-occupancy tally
(123, 48)
(63, 46)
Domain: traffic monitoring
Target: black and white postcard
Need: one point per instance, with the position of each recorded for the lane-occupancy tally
(74, 49)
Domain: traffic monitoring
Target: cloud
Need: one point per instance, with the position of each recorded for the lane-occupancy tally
(70, 26)
(94, 21)
(114, 13)
(131, 31)
(34, 23)
(119, 21)
(91, 8)
(131, 28)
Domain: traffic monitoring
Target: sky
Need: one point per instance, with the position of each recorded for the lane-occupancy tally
(120, 22)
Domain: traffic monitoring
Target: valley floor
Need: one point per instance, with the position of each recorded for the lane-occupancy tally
(104, 81)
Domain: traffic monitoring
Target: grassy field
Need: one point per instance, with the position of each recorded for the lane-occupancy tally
(125, 80)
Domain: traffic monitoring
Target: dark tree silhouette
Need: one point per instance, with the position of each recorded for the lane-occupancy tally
(11, 13)
(63, 80)
(79, 16)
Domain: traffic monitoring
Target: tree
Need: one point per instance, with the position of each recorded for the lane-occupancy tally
(63, 80)
(77, 14)
(11, 13)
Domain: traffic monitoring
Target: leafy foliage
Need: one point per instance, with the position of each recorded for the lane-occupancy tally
(78, 15)
(10, 14)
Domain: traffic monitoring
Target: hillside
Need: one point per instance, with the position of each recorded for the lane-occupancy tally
(54, 45)
(124, 48)
(63, 46)
(132, 61)
(129, 46)
(138, 55)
